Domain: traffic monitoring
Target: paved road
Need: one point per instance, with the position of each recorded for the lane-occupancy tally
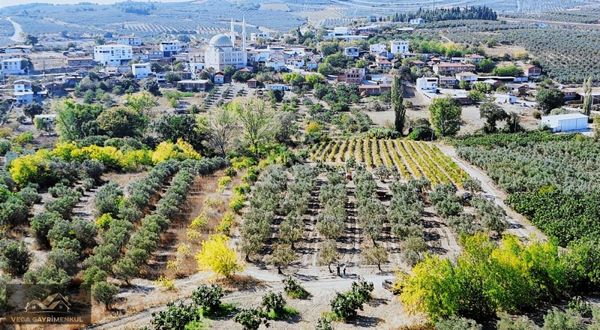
(519, 225)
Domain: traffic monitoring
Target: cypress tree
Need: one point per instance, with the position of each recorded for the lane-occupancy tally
(397, 104)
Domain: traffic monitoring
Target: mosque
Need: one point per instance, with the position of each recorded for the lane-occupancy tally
(222, 51)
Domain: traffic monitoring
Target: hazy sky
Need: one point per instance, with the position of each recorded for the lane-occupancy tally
(4, 3)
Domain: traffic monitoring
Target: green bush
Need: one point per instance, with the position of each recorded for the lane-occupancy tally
(294, 290)
(251, 319)
(14, 257)
(208, 298)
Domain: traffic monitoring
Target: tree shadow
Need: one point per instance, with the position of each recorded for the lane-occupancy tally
(366, 321)
(376, 302)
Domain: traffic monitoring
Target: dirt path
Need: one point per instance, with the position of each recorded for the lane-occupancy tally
(518, 224)
(86, 207)
(18, 34)
(383, 312)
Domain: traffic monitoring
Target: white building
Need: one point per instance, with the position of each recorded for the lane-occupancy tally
(277, 87)
(113, 54)
(505, 98)
(141, 70)
(14, 66)
(129, 40)
(170, 48)
(221, 52)
(377, 48)
(219, 78)
(565, 123)
(399, 47)
(428, 84)
(23, 92)
(341, 30)
(255, 36)
(416, 21)
(467, 76)
(352, 51)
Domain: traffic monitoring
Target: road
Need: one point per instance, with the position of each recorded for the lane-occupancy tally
(519, 225)
(18, 34)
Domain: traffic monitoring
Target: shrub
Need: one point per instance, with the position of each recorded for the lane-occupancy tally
(528, 275)
(104, 221)
(226, 224)
(237, 202)
(208, 297)
(42, 223)
(105, 293)
(251, 319)
(93, 275)
(294, 290)
(567, 320)
(345, 305)
(200, 222)
(457, 323)
(242, 188)
(108, 198)
(323, 323)
(14, 257)
(64, 259)
(50, 275)
(217, 256)
(224, 182)
(273, 302)
(165, 283)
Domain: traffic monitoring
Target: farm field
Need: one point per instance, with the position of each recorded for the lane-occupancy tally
(568, 60)
(317, 215)
(549, 178)
(410, 159)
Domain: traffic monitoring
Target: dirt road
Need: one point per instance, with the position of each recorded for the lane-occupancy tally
(519, 225)
(317, 281)
(18, 34)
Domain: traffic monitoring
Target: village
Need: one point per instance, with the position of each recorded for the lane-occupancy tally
(383, 171)
(256, 62)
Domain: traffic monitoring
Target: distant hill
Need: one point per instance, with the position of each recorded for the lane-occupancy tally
(212, 16)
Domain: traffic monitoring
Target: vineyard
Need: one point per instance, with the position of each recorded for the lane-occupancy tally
(410, 159)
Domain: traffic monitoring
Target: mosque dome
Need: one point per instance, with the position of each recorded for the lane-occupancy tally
(221, 40)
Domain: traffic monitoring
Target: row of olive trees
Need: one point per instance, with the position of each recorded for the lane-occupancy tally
(488, 216)
(294, 206)
(371, 214)
(264, 207)
(70, 238)
(145, 239)
(404, 215)
(117, 221)
(332, 196)
(331, 221)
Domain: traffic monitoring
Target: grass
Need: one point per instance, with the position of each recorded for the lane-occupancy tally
(224, 310)
(288, 312)
(299, 294)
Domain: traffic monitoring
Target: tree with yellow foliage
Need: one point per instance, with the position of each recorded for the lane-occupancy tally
(218, 257)
(169, 150)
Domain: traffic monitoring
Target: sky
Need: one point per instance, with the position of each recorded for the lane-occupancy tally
(6, 3)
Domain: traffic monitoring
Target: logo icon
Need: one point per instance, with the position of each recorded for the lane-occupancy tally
(53, 303)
